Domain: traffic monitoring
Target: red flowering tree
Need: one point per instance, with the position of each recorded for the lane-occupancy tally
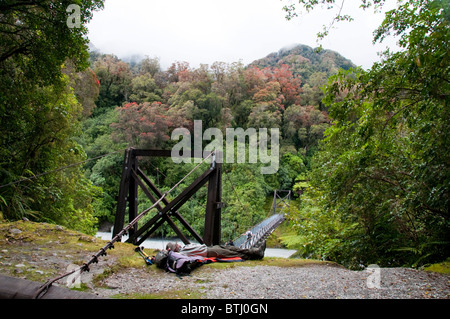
(264, 84)
(290, 85)
(143, 125)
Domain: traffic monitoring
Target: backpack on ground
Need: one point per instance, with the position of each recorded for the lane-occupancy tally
(181, 264)
(161, 259)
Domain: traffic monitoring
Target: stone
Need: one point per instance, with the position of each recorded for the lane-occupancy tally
(15, 231)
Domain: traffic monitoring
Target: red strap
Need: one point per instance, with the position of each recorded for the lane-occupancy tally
(225, 259)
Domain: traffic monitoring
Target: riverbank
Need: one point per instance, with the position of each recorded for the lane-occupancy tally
(41, 251)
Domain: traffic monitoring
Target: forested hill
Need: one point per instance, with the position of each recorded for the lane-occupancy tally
(305, 68)
(312, 66)
(305, 61)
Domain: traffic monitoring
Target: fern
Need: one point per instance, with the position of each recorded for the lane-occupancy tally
(423, 251)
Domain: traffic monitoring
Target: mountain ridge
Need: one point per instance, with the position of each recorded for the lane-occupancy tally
(305, 61)
(302, 59)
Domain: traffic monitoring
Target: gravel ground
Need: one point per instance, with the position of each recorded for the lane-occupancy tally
(268, 282)
(22, 255)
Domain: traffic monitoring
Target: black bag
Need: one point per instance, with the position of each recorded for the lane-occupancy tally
(161, 259)
(182, 265)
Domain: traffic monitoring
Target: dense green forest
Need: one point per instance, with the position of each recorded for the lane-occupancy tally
(364, 151)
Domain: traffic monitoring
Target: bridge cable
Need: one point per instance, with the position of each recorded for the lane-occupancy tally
(237, 196)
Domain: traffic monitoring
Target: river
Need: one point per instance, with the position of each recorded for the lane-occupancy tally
(161, 243)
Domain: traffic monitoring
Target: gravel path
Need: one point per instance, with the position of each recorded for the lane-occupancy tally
(269, 282)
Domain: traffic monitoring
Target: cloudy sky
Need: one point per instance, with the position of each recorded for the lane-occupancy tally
(205, 31)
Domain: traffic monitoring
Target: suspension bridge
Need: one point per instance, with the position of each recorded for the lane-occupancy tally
(256, 235)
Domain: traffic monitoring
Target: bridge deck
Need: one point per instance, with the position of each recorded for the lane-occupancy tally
(259, 232)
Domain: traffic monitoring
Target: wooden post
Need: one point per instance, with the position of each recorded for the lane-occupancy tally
(133, 193)
(123, 193)
(212, 232)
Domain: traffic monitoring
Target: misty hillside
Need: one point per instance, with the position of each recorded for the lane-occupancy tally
(305, 61)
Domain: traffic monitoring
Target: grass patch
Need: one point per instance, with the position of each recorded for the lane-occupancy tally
(443, 267)
(29, 244)
(83, 288)
(171, 294)
(271, 261)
